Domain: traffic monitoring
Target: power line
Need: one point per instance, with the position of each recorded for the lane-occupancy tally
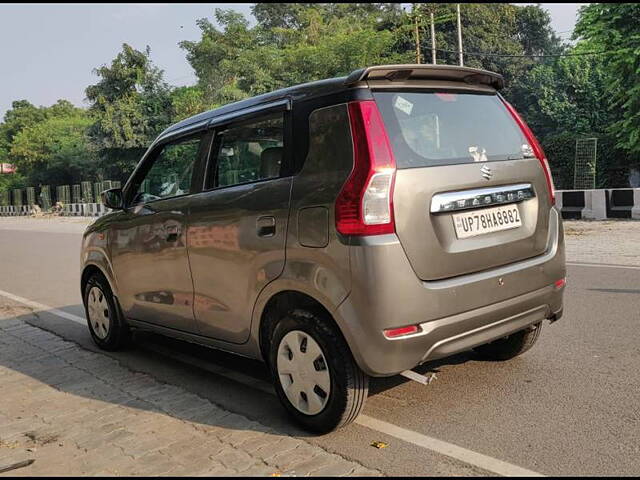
(480, 54)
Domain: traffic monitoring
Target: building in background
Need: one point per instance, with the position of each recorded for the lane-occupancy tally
(7, 168)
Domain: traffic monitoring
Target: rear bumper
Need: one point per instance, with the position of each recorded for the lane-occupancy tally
(454, 314)
(462, 332)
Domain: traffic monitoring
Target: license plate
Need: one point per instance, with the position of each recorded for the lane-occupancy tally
(486, 220)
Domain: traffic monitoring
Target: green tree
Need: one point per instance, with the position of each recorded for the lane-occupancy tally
(55, 151)
(216, 55)
(22, 114)
(568, 94)
(311, 42)
(131, 105)
(495, 31)
(292, 15)
(186, 102)
(614, 27)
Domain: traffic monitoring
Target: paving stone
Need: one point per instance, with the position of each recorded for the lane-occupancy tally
(281, 446)
(338, 467)
(154, 463)
(361, 471)
(234, 459)
(239, 437)
(289, 460)
(309, 466)
(83, 413)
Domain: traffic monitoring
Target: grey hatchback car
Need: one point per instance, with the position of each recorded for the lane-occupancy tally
(345, 228)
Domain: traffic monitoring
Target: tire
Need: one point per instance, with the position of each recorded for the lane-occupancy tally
(512, 346)
(104, 318)
(332, 366)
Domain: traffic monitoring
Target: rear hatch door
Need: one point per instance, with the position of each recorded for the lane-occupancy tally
(469, 194)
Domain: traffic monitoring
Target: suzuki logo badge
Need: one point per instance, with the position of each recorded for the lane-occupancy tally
(486, 172)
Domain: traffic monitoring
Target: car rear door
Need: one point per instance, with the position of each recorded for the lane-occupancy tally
(469, 193)
(238, 223)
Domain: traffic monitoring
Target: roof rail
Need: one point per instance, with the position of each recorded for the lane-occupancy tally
(426, 72)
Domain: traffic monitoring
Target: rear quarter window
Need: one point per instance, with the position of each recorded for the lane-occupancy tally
(445, 128)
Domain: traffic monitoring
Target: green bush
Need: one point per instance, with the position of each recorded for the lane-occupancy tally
(561, 151)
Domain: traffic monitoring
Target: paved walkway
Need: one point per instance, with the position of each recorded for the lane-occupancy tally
(77, 412)
(615, 242)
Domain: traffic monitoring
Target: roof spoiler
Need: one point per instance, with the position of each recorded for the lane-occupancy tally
(426, 72)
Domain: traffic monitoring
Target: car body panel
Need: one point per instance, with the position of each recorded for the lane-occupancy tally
(149, 254)
(230, 262)
(430, 240)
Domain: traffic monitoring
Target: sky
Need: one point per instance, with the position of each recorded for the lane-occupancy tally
(49, 51)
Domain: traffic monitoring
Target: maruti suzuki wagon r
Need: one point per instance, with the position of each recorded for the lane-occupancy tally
(345, 228)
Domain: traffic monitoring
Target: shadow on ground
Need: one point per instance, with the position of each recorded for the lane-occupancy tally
(163, 359)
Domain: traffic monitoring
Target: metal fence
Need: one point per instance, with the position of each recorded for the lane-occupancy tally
(45, 197)
(17, 197)
(76, 194)
(87, 192)
(31, 195)
(585, 163)
(84, 192)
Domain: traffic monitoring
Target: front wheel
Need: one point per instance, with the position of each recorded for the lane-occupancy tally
(107, 328)
(512, 346)
(315, 375)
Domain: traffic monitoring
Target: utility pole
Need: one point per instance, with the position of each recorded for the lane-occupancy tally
(459, 37)
(433, 41)
(417, 35)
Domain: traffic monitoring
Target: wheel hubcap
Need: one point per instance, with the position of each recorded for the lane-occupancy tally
(99, 315)
(303, 372)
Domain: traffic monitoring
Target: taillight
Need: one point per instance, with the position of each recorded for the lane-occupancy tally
(536, 147)
(365, 204)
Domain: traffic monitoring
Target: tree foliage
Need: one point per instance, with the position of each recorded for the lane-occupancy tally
(312, 41)
(131, 105)
(131, 101)
(55, 150)
(614, 27)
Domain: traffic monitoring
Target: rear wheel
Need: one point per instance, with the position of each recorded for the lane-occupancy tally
(105, 322)
(315, 375)
(512, 346)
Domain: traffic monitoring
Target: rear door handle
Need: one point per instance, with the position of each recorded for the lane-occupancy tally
(266, 226)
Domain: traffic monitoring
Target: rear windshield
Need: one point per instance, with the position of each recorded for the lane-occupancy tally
(430, 128)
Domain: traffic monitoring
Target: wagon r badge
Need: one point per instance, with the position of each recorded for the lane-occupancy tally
(486, 172)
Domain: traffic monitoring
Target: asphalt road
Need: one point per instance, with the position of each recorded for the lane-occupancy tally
(570, 406)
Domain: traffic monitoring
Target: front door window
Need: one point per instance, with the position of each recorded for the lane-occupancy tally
(171, 172)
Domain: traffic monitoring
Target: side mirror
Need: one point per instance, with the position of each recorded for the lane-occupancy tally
(112, 198)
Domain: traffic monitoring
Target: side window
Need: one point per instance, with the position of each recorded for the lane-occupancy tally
(170, 174)
(330, 143)
(248, 152)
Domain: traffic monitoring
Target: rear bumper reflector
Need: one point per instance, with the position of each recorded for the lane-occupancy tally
(560, 283)
(402, 331)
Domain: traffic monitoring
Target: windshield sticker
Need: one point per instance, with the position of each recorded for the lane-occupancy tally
(403, 105)
(477, 155)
